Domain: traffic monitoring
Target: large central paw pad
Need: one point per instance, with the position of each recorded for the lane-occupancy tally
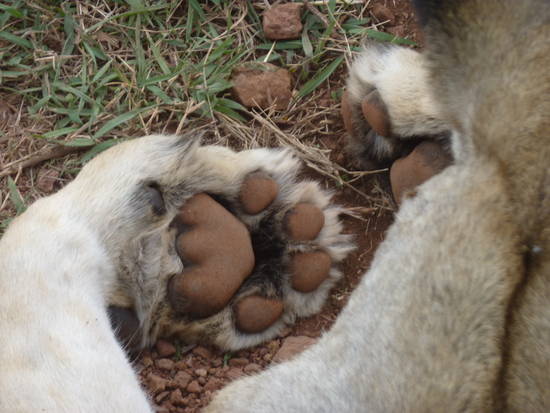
(255, 256)
(219, 250)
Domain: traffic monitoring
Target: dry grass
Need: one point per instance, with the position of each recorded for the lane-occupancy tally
(78, 77)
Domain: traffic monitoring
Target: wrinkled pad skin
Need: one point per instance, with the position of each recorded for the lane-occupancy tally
(219, 247)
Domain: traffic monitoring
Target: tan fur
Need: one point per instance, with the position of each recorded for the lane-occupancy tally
(454, 314)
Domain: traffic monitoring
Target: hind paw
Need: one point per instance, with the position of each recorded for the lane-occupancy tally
(387, 106)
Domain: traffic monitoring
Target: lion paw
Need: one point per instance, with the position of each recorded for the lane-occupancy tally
(387, 107)
(255, 253)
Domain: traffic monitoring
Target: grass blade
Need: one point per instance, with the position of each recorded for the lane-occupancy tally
(12, 38)
(119, 120)
(15, 197)
(320, 77)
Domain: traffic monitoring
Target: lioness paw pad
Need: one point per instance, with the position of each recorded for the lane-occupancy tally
(254, 257)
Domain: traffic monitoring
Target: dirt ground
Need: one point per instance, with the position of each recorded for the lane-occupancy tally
(184, 378)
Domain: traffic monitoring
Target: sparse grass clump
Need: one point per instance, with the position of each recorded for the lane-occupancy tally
(77, 77)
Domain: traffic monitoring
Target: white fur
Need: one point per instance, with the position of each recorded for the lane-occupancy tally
(97, 243)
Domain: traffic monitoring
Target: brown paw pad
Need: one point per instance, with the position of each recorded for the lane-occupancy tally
(376, 114)
(426, 160)
(304, 222)
(219, 247)
(309, 270)
(254, 314)
(257, 192)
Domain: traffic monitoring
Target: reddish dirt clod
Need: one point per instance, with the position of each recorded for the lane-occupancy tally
(254, 314)
(309, 270)
(165, 348)
(283, 21)
(220, 247)
(262, 85)
(304, 222)
(258, 191)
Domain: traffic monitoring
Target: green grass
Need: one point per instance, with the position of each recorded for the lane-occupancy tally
(91, 73)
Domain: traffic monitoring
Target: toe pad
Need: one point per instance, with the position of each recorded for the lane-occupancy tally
(309, 270)
(255, 314)
(304, 222)
(257, 192)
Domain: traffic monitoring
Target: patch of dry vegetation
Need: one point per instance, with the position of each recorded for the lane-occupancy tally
(78, 77)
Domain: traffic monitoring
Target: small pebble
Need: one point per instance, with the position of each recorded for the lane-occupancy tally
(202, 352)
(194, 387)
(252, 368)
(201, 372)
(182, 379)
(234, 373)
(165, 348)
(237, 362)
(165, 364)
(156, 383)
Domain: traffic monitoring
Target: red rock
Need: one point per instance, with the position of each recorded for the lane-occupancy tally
(237, 362)
(194, 387)
(252, 368)
(165, 348)
(176, 397)
(182, 379)
(202, 352)
(180, 365)
(213, 384)
(161, 396)
(201, 372)
(165, 364)
(292, 346)
(234, 373)
(262, 85)
(283, 21)
(156, 383)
